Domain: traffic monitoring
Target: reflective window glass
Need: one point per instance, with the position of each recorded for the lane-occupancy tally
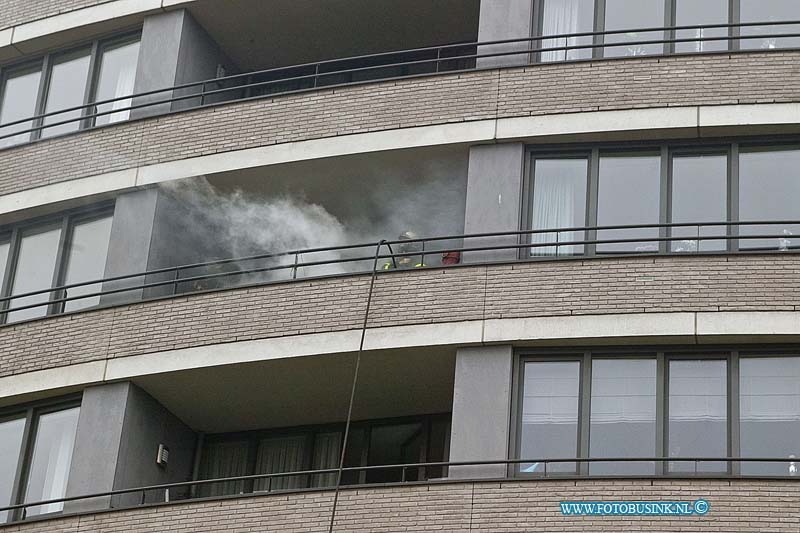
(623, 415)
(628, 194)
(10, 445)
(4, 249)
(19, 93)
(281, 454)
(559, 201)
(699, 194)
(116, 79)
(392, 444)
(694, 13)
(562, 17)
(549, 428)
(769, 185)
(631, 15)
(769, 11)
(51, 459)
(769, 408)
(223, 459)
(698, 414)
(327, 451)
(87, 260)
(66, 90)
(34, 271)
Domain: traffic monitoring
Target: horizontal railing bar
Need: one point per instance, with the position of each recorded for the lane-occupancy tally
(437, 60)
(345, 260)
(434, 464)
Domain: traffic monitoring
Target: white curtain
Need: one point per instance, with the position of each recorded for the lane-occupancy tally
(554, 207)
(281, 454)
(327, 448)
(125, 81)
(560, 17)
(221, 460)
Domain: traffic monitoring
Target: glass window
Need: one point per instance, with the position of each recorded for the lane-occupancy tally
(769, 11)
(327, 450)
(19, 92)
(10, 444)
(769, 185)
(549, 428)
(699, 194)
(769, 412)
(565, 17)
(694, 13)
(116, 79)
(4, 248)
(223, 459)
(51, 459)
(632, 15)
(66, 90)
(281, 454)
(698, 414)
(623, 415)
(392, 444)
(628, 194)
(559, 201)
(87, 260)
(34, 271)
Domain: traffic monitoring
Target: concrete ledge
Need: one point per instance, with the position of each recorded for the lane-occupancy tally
(669, 122)
(622, 329)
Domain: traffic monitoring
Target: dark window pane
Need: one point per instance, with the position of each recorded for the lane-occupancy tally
(395, 444)
(770, 412)
(116, 79)
(327, 452)
(696, 13)
(559, 201)
(628, 194)
(699, 194)
(277, 455)
(66, 90)
(34, 271)
(52, 456)
(87, 260)
(623, 417)
(10, 443)
(632, 15)
(769, 11)
(223, 459)
(768, 190)
(698, 414)
(19, 92)
(549, 428)
(565, 17)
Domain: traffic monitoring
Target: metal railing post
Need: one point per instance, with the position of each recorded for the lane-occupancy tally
(294, 268)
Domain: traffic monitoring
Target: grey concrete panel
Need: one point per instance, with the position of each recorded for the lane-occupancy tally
(504, 19)
(481, 410)
(494, 198)
(148, 424)
(97, 444)
(128, 250)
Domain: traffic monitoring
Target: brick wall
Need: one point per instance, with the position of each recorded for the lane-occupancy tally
(538, 90)
(15, 12)
(638, 285)
(521, 506)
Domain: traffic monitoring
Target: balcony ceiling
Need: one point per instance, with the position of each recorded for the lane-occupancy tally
(307, 390)
(259, 34)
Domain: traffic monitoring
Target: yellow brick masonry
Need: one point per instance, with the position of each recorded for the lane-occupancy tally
(537, 289)
(512, 507)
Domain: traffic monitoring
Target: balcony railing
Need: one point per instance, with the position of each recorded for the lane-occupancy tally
(571, 243)
(384, 66)
(189, 490)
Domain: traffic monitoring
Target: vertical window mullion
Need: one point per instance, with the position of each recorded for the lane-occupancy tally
(8, 277)
(20, 477)
(584, 412)
(733, 197)
(594, 179)
(670, 16)
(60, 266)
(664, 202)
(734, 17)
(41, 97)
(734, 448)
(662, 401)
(599, 26)
(91, 83)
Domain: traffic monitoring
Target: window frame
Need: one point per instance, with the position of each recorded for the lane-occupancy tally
(66, 222)
(31, 413)
(45, 63)
(663, 355)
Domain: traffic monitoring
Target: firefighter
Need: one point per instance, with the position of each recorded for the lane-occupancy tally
(406, 246)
